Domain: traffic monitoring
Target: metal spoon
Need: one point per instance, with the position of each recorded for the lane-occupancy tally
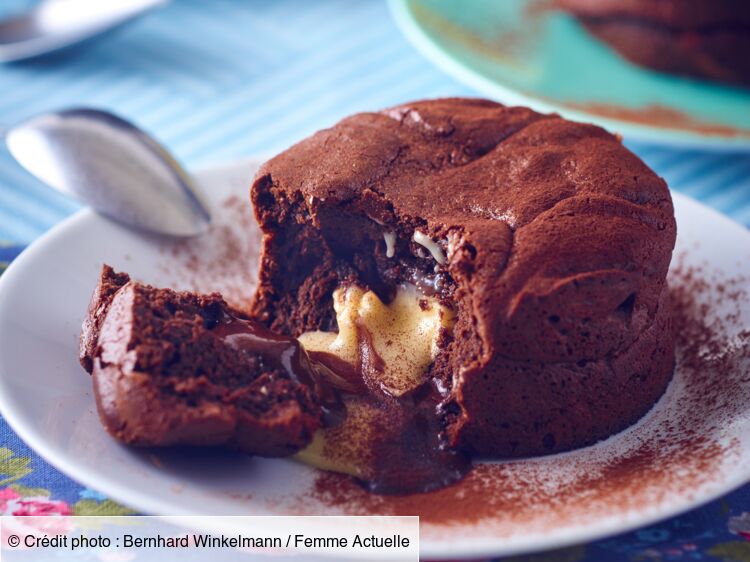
(56, 24)
(110, 164)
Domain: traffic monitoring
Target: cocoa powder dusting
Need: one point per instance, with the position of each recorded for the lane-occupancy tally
(679, 447)
(506, 43)
(656, 115)
(224, 260)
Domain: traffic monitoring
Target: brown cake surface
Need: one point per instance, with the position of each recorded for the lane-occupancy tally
(172, 368)
(701, 38)
(548, 238)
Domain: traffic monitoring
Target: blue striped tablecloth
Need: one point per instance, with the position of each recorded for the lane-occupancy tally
(228, 78)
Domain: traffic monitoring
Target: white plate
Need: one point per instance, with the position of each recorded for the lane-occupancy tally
(648, 472)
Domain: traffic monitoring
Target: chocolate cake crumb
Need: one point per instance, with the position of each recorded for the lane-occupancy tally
(178, 368)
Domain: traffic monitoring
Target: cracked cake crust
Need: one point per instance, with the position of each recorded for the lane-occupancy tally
(556, 239)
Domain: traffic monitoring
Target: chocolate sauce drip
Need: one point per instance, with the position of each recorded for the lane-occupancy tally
(284, 353)
(341, 374)
(369, 362)
(407, 455)
(431, 284)
(411, 457)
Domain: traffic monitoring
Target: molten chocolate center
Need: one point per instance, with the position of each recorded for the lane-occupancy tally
(283, 353)
(380, 359)
(385, 434)
(389, 441)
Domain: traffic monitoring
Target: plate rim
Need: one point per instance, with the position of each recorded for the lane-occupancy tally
(444, 60)
(488, 546)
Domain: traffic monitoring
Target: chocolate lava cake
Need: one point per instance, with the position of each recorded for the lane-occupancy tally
(548, 239)
(170, 368)
(449, 278)
(701, 38)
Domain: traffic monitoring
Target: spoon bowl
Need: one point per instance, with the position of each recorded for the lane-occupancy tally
(110, 164)
(57, 24)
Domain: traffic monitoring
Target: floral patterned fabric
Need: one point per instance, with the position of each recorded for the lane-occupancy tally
(720, 531)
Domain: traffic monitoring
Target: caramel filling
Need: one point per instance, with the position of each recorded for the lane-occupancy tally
(379, 360)
(392, 345)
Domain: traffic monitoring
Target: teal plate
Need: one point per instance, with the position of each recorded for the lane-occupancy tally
(519, 53)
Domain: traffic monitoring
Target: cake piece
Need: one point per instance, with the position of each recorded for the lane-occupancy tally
(173, 368)
(543, 243)
(702, 38)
